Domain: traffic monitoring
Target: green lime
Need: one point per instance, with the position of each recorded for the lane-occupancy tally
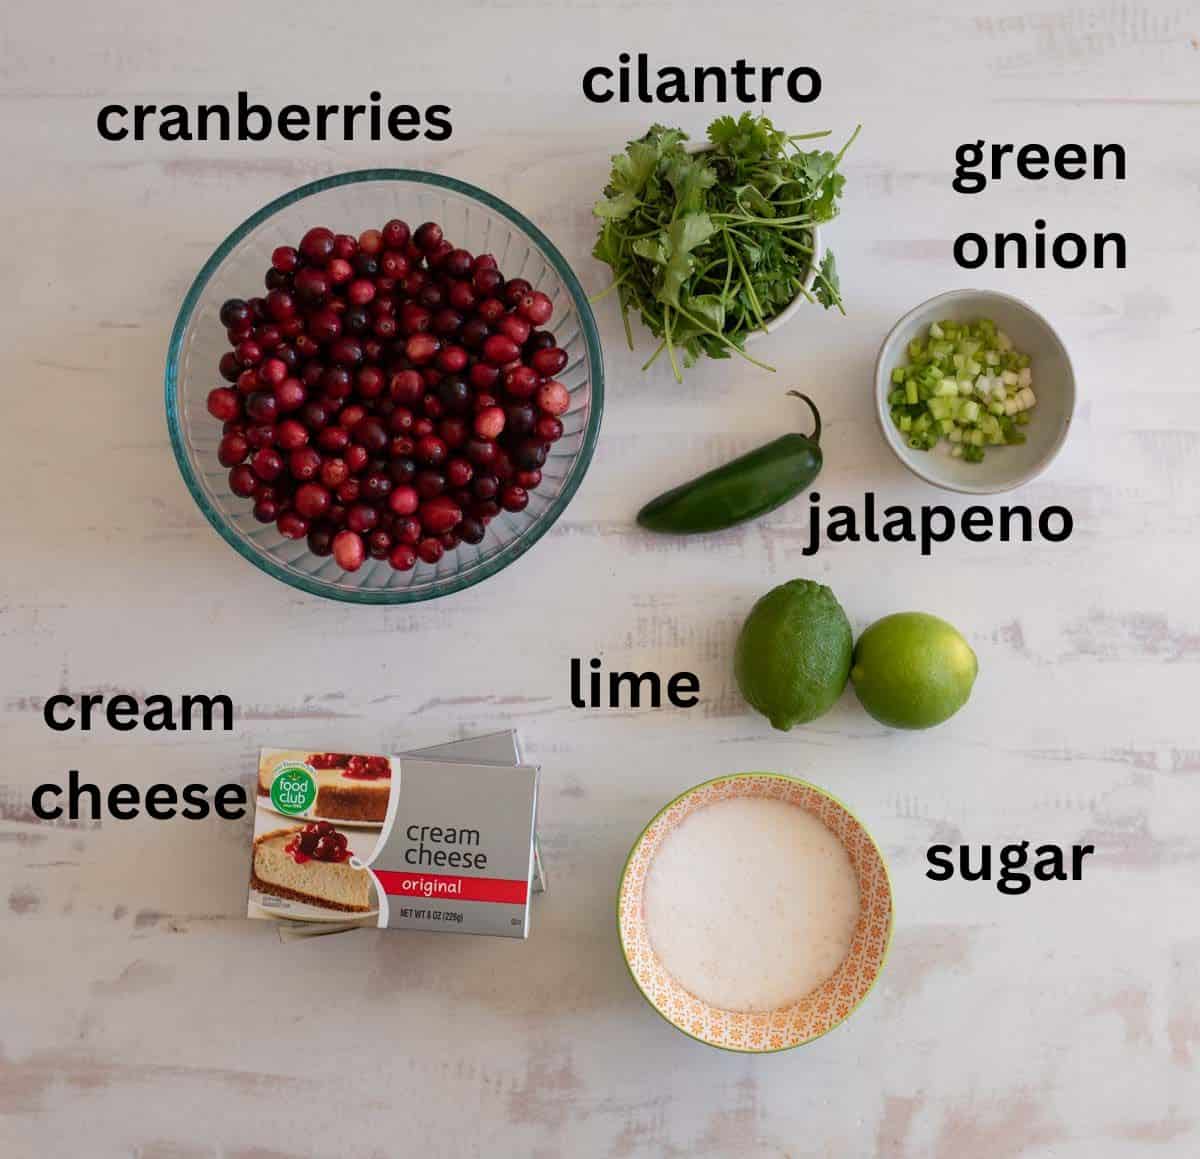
(912, 670)
(793, 654)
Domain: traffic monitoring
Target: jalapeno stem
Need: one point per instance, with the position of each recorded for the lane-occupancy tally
(815, 437)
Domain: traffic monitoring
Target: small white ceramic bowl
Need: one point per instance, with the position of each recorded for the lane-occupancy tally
(810, 279)
(1003, 468)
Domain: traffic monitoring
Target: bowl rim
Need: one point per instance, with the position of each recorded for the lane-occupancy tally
(883, 415)
(887, 876)
(514, 550)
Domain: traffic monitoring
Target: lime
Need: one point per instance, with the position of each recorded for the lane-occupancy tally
(793, 653)
(912, 670)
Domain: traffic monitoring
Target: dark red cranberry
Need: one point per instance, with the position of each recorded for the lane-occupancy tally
(481, 452)
(430, 550)
(454, 395)
(260, 435)
(262, 407)
(490, 310)
(275, 279)
(336, 382)
(348, 491)
(320, 540)
(436, 258)
(474, 331)
(499, 349)
(249, 353)
(459, 472)
(372, 349)
(549, 361)
(290, 395)
(529, 454)
(470, 530)
(267, 464)
(232, 450)
(285, 258)
(334, 472)
(396, 234)
(407, 530)
(272, 372)
(487, 281)
(369, 432)
(402, 469)
(315, 415)
(513, 497)
(366, 265)
(406, 388)
(312, 500)
(356, 320)
(430, 449)
(486, 509)
(453, 432)
(234, 312)
(356, 458)
(539, 340)
(379, 544)
(515, 290)
(346, 352)
(462, 296)
(288, 356)
(266, 509)
(376, 486)
(325, 325)
(280, 305)
(431, 296)
(485, 487)
(519, 418)
(385, 327)
(521, 382)
(429, 483)
(428, 236)
(548, 429)
(528, 479)
(361, 518)
(229, 366)
(311, 286)
(316, 247)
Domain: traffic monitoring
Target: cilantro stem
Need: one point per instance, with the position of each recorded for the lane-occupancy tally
(722, 338)
(670, 345)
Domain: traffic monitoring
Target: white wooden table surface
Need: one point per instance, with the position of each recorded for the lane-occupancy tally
(139, 1011)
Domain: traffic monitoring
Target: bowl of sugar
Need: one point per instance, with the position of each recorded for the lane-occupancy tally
(755, 912)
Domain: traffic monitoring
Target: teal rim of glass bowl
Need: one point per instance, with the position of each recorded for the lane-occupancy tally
(506, 555)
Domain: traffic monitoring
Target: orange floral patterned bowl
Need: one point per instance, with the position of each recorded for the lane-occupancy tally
(818, 1012)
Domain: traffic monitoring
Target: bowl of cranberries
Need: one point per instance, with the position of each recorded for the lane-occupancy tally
(384, 386)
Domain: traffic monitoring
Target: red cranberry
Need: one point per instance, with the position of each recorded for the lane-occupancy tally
(334, 472)
(553, 397)
(280, 305)
(370, 241)
(247, 382)
(304, 463)
(404, 500)
(260, 435)
(453, 432)
(454, 395)
(490, 310)
(515, 327)
(290, 435)
(356, 458)
(402, 557)
(316, 247)
(348, 491)
(385, 327)
(406, 388)
(379, 544)
(266, 509)
(333, 439)
(361, 518)
(474, 331)
(248, 353)
(348, 550)
(487, 509)
(290, 395)
(458, 473)
(360, 292)
(528, 479)
(224, 403)
(344, 246)
(430, 449)
(232, 450)
(346, 352)
(483, 375)
(407, 530)
(430, 550)
(487, 280)
(453, 359)
(312, 500)
(396, 234)
(513, 497)
(421, 348)
(292, 525)
(481, 452)
(325, 325)
(446, 322)
(229, 366)
(548, 362)
(267, 464)
(440, 515)
(536, 308)
(438, 255)
(458, 263)
(498, 349)
(285, 259)
(336, 382)
(548, 429)
(369, 382)
(461, 296)
(340, 271)
(485, 487)
(521, 382)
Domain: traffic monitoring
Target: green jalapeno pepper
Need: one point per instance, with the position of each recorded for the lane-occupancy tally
(743, 489)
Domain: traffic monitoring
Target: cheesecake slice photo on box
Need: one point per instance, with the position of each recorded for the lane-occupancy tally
(351, 788)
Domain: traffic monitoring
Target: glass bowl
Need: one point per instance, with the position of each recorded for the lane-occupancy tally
(350, 203)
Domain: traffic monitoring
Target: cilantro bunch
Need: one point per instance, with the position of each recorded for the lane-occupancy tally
(709, 246)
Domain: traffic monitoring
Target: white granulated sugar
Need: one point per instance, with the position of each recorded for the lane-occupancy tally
(750, 904)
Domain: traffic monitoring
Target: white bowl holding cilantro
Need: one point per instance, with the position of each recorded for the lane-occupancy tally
(1015, 434)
